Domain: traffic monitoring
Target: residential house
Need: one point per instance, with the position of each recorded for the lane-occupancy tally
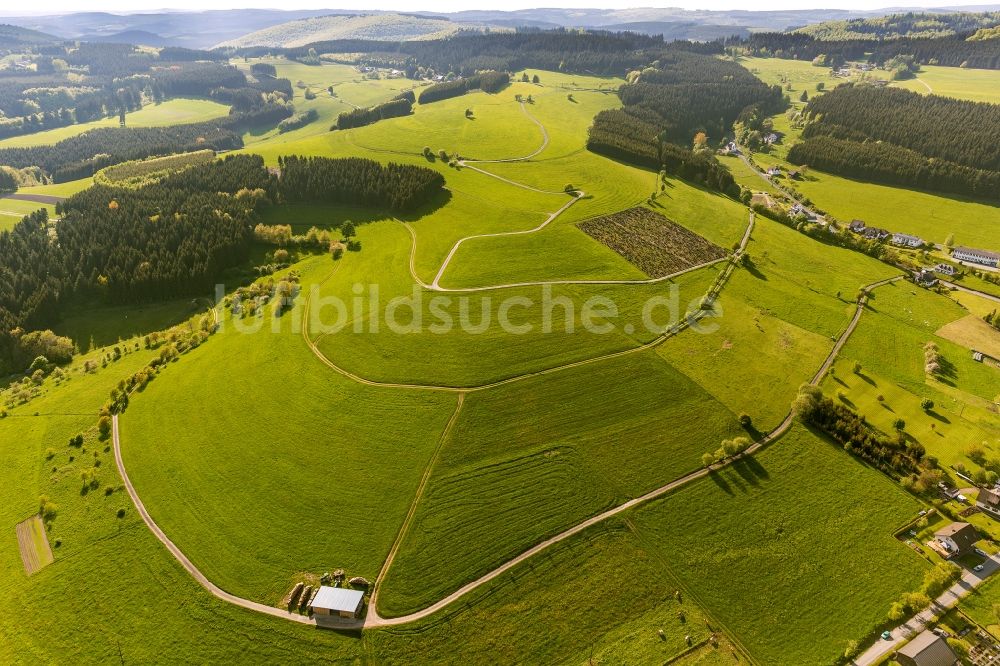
(733, 148)
(771, 138)
(944, 269)
(774, 171)
(906, 240)
(983, 257)
(925, 277)
(927, 649)
(857, 226)
(799, 209)
(989, 502)
(957, 538)
(875, 234)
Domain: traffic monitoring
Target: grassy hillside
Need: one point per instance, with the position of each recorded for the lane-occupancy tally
(388, 27)
(171, 112)
(778, 547)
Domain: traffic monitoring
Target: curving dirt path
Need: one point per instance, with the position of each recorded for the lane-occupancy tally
(373, 619)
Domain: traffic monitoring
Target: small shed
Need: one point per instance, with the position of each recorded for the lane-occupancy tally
(927, 649)
(338, 601)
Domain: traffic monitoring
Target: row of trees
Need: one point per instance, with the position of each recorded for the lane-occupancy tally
(897, 457)
(491, 82)
(355, 180)
(372, 114)
(82, 155)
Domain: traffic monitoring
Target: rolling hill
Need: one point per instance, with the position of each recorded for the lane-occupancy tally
(400, 27)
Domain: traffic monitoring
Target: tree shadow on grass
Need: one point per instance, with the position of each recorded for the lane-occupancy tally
(439, 200)
(939, 416)
(752, 269)
(847, 401)
(720, 481)
(866, 378)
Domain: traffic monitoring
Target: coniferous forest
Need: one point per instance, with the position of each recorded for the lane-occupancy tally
(667, 104)
(356, 180)
(899, 137)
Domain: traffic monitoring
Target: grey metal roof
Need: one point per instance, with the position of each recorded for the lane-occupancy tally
(928, 649)
(338, 599)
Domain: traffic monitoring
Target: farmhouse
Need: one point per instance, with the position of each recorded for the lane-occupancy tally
(799, 209)
(857, 226)
(774, 171)
(957, 539)
(338, 601)
(927, 649)
(925, 277)
(944, 269)
(771, 138)
(876, 234)
(984, 257)
(906, 240)
(989, 502)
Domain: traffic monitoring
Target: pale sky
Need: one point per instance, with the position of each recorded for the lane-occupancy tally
(133, 6)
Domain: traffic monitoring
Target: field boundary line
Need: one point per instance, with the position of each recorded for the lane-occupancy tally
(404, 529)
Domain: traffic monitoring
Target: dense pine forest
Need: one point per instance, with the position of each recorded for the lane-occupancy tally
(667, 105)
(491, 82)
(899, 137)
(956, 51)
(356, 180)
(372, 114)
(119, 245)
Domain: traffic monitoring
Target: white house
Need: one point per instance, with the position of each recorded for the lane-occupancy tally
(338, 601)
(906, 240)
(984, 257)
(774, 171)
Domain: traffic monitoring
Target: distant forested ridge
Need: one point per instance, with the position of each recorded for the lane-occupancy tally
(899, 137)
(666, 105)
(956, 51)
(105, 80)
(356, 180)
(466, 54)
(910, 24)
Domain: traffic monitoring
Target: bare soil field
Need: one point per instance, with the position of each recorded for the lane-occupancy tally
(33, 544)
(653, 243)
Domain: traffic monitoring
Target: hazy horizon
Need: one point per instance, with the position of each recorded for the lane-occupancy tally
(42, 7)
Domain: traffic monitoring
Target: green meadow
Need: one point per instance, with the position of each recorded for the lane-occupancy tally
(177, 111)
(531, 458)
(977, 85)
(798, 533)
(264, 464)
(888, 343)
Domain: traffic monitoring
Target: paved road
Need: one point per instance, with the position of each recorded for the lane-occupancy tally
(970, 579)
(973, 291)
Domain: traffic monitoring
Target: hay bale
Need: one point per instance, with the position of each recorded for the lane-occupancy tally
(293, 596)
